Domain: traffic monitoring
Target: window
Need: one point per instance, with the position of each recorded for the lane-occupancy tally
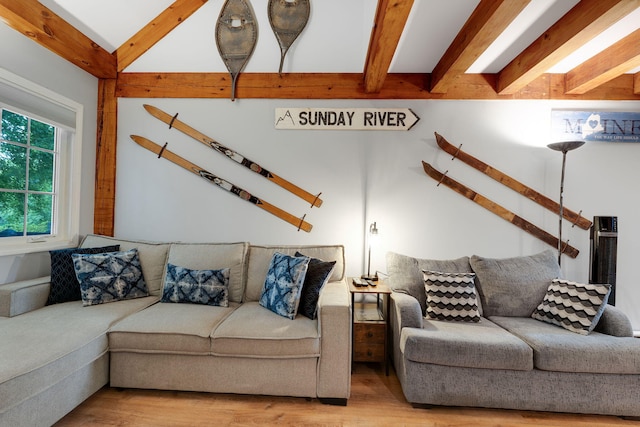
(28, 155)
(39, 167)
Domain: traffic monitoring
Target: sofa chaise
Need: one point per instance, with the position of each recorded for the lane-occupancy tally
(52, 357)
(506, 358)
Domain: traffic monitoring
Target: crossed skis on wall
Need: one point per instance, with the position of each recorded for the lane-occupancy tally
(163, 152)
(511, 183)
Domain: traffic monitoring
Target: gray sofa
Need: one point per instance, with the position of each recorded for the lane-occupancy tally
(53, 357)
(508, 359)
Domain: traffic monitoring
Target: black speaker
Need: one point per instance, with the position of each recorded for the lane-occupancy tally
(604, 252)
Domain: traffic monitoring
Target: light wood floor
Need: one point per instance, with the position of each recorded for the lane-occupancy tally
(376, 400)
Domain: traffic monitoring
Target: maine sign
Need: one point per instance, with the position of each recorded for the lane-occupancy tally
(603, 126)
(345, 118)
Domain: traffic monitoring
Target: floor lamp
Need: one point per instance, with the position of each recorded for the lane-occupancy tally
(564, 147)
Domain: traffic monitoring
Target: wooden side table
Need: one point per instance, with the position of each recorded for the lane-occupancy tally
(370, 324)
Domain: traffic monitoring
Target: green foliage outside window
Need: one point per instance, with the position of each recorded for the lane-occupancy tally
(27, 174)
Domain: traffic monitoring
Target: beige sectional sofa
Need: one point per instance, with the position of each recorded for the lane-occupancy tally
(507, 359)
(53, 357)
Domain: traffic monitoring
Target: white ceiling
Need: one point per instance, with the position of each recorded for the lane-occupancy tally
(335, 39)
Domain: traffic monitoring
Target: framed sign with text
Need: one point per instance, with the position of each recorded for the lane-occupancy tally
(345, 118)
(604, 126)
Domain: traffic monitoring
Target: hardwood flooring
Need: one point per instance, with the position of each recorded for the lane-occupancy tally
(376, 400)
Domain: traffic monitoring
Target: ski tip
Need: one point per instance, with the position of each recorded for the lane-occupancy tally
(430, 170)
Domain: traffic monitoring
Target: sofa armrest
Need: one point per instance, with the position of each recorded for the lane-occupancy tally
(614, 322)
(24, 296)
(334, 323)
(406, 312)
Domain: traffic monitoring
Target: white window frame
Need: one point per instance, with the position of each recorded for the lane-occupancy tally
(65, 228)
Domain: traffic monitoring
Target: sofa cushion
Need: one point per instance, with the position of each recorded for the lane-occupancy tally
(64, 283)
(514, 286)
(468, 345)
(51, 343)
(169, 329)
(405, 273)
(451, 296)
(252, 331)
(283, 284)
(208, 287)
(575, 306)
(317, 276)
(152, 257)
(214, 256)
(557, 349)
(260, 258)
(109, 277)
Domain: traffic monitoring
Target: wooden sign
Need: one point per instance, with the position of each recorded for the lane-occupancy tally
(584, 125)
(345, 118)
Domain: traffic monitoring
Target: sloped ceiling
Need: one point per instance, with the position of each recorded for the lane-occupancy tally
(355, 48)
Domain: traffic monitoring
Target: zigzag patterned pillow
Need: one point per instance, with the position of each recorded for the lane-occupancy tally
(574, 306)
(451, 296)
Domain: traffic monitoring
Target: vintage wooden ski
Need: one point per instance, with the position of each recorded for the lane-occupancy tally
(513, 184)
(226, 185)
(172, 121)
(498, 210)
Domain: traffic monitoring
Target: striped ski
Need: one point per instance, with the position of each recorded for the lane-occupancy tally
(513, 184)
(172, 121)
(498, 210)
(226, 185)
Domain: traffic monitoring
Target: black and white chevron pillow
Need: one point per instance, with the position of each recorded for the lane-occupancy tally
(451, 296)
(574, 306)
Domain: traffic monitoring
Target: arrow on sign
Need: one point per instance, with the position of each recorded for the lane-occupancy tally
(345, 118)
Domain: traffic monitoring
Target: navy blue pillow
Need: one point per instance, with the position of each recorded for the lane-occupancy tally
(318, 274)
(64, 283)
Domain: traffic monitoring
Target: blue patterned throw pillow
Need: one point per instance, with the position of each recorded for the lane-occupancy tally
(208, 287)
(317, 276)
(64, 283)
(282, 286)
(109, 277)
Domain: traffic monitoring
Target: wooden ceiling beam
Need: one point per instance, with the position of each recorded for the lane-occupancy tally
(578, 26)
(636, 83)
(486, 23)
(40, 24)
(351, 86)
(391, 18)
(618, 59)
(155, 30)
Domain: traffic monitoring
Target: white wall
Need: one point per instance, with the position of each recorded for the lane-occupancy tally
(377, 176)
(363, 177)
(29, 60)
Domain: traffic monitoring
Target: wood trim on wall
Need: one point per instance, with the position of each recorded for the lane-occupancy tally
(351, 86)
(106, 143)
